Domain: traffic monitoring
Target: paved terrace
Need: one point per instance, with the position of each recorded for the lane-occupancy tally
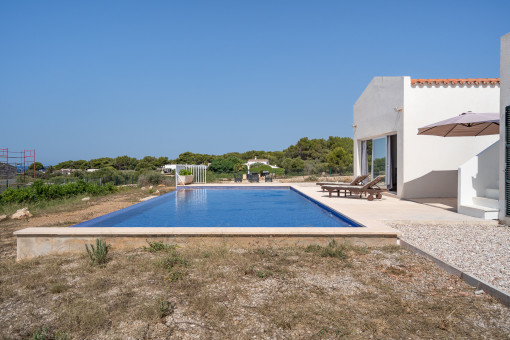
(380, 213)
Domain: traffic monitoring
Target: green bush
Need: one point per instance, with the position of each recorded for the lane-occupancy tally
(184, 172)
(153, 178)
(40, 191)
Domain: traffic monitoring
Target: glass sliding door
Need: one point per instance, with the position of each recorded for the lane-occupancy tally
(379, 158)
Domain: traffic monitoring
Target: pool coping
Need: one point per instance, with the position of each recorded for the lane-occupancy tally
(33, 242)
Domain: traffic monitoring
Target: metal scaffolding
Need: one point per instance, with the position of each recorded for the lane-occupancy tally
(14, 163)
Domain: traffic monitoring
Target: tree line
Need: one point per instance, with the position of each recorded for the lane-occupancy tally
(312, 155)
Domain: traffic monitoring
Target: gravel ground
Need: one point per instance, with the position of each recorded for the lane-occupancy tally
(481, 250)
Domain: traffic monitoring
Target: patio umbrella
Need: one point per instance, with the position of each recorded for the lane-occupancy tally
(466, 124)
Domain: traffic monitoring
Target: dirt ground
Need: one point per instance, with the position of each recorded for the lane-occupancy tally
(164, 292)
(69, 213)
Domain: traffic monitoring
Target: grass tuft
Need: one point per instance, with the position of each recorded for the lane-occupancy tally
(333, 249)
(174, 263)
(165, 308)
(158, 246)
(58, 287)
(44, 334)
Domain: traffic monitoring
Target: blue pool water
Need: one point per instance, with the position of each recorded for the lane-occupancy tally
(212, 207)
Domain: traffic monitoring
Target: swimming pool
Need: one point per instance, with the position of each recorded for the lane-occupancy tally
(219, 207)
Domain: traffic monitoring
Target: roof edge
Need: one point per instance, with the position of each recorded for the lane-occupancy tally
(458, 81)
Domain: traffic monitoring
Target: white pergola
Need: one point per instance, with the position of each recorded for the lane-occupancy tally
(199, 173)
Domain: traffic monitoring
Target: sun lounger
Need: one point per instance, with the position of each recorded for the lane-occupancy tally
(238, 178)
(371, 189)
(356, 181)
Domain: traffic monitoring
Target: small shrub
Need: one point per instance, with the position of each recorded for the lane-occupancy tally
(313, 248)
(175, 275)
(152, 178)
(58, 287)
(158, 246)
(173, 262)
(333, 249)
(41, 334)
(165, 308)
(263, 274)
(185, 172)
(98, 254)
(44, 334)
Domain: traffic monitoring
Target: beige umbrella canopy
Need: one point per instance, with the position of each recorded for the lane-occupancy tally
(466, 124)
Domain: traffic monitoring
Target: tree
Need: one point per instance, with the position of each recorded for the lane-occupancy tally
(340, 159)
(144, 166)
(81, 164)
(293, 164)
(161, 161)
(125, 163)
(308, 149)
(38, 166)
(64, 165)
(99, 163)
(223, 165)
(345, 142)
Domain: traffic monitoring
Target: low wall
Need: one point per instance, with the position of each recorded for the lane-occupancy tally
(33, 242)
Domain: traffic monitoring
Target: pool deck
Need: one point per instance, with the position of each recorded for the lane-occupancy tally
(373, 215)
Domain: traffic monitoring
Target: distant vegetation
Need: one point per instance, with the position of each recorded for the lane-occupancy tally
(41, 191)
(308, 155)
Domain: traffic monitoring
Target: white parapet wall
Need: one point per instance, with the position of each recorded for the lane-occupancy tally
(477, 180)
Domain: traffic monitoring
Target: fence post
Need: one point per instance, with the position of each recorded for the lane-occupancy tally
(116, 180)
(87, 179)
(7, 184)
(303, 172)
(102, 182)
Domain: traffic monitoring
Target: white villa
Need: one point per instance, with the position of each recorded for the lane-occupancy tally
(386, 118)
(250, 162)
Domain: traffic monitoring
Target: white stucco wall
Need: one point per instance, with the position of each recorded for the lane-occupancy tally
(477, 175)
(431, 162)
(504, 102)
(374, 116)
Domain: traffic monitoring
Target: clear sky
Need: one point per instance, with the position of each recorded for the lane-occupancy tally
(87, 79)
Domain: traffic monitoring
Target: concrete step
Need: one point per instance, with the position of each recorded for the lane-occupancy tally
(479, 211)
(486, 202)
(492, 193)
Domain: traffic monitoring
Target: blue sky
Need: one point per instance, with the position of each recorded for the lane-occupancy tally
(81, 80)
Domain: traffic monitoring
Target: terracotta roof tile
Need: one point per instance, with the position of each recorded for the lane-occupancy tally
(464, 81)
